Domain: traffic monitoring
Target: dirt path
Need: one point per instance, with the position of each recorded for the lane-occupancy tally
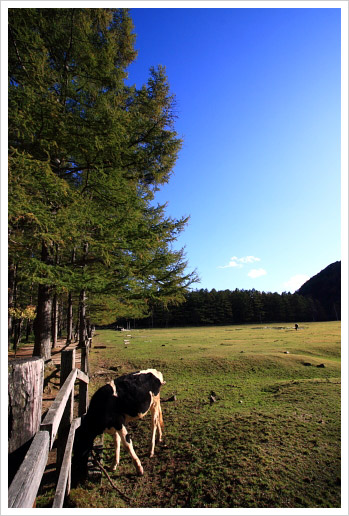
(27, 351)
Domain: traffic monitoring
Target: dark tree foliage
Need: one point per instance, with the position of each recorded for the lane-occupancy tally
(203, 307)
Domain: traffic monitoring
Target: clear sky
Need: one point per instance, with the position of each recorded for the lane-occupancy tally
(258, 100)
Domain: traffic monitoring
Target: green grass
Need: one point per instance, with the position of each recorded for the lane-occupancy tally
(272, 439)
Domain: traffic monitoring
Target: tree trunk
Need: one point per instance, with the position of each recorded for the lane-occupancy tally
(18, 324)
(82, 309)
(42, 323)
(335, 311)
(60, 325)
(70, 308)
(11, 296)
(54, 320)
(76, 330)
(70, 318)
(29, 329)
(29, 325)
(55, 308)
(82, 318)
(88, 328)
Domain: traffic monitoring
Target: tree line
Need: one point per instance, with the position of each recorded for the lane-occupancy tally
(87, 154)
(224, 307)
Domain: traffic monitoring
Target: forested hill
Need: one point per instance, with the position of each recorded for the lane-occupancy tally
(325, 287)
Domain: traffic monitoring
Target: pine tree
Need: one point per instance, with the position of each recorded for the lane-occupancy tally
(97, 151)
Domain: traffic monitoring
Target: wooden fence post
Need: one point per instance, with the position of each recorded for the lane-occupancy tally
(25, 387)
(85, 367)
(83, 387)
(67, 365)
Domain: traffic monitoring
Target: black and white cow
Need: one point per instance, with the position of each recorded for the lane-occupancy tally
(124, 399)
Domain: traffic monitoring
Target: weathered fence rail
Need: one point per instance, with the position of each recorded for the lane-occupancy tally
(64, 480)
(58, 421)
(24, 487)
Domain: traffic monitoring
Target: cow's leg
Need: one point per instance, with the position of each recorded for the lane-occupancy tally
(116, 460)
(160, 423)
(127, 444)
(153, 432)
(156, 422)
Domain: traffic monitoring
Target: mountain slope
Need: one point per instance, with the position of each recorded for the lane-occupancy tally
(325, 289)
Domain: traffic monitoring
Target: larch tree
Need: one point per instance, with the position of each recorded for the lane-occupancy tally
(95, 151)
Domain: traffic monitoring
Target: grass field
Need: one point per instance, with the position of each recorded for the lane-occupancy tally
(272, 438)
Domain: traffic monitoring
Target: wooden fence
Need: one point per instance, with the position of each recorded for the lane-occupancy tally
(59, 423)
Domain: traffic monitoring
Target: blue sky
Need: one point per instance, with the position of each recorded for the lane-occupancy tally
(258, 102)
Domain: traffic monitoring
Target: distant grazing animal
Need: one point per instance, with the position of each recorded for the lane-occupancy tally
(124, 399)
(296, 326)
